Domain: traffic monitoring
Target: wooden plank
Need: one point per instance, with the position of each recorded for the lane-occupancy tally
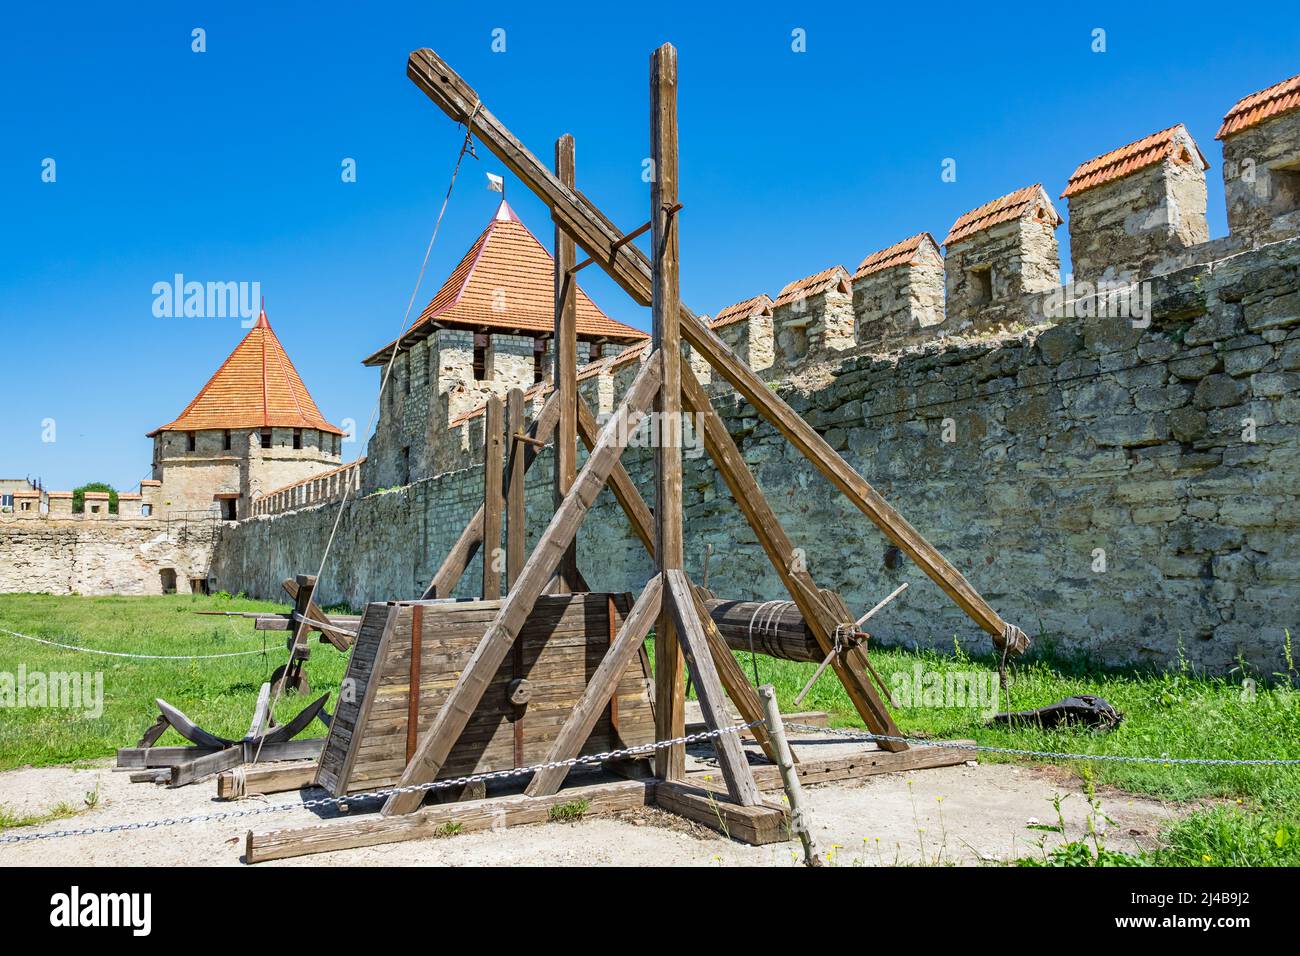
(630, 268)
(621, 484)
(413, 681)
(373, 829)
(539, 568)
(670, 686)
(680, 598)
(320, 621)
(566, 360)
(206, 766)
(780, 551)
(516, 516)
(577, 728)
(493, 506)
(866, 763)
(448, 575)
(263, 780)
(758, 824)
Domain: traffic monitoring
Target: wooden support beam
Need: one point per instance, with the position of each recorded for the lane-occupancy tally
(516, 515)
(600, 689)
(621, 484)
(680, 598)
(341, 638)
(776, 544)
(539, 568)
(263, 780)
(566, 359)
(493, 465)
(462, 552)
(670, 687)
(351, 832)
(630, 268)
(757, 824)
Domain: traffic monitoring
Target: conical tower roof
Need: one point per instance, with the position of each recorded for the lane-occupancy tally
(255, 387)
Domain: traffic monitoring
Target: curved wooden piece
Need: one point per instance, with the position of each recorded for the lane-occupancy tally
(298, 724)
(190, 730)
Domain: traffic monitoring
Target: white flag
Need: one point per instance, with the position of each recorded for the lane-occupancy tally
(496, 183)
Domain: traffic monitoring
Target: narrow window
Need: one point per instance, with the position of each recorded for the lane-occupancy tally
(482, 357)
(227, 509)
(541, 359)
(297, 438)
(146, 511)
(190, 441)
(406, 466)
(266, 438)
(225, 440)
(982, 282)
(597, 352)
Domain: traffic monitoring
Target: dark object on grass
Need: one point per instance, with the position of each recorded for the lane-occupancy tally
(1084, 709)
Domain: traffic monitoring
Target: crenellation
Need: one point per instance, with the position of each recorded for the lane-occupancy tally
(1261, 164)
(898, 294)
(813, 316)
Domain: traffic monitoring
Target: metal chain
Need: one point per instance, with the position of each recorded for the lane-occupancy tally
(867, 736)
(352, 797)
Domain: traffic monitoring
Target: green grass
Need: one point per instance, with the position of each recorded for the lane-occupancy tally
(218, 694)
(1176, 713)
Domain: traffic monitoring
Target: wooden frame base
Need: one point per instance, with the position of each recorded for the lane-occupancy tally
(692, 798)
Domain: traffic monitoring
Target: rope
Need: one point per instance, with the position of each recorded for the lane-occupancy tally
(466, 147)
(771, 616)
(143, 657)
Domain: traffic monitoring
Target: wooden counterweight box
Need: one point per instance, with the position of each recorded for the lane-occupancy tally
(542, 678)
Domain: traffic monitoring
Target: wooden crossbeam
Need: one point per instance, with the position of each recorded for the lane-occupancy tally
(631, 269)
(462, 552)
(602, 686)
(320, 621)
(777, 546)
(680, 598)
(517, 605)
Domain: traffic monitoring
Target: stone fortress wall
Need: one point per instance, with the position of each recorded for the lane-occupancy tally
(1111, 460)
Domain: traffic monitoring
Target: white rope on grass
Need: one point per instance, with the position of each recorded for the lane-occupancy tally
(142, 657)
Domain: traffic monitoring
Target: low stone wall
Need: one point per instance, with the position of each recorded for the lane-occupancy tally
(54, 555)
(1124, 492)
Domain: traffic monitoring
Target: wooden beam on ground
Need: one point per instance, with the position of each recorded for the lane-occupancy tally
(600, 689)
(437, 821)
(194, 770)
(621, 484)
(493, 506)
(757, 824)
(515, 608)
(630, 268)
(780, 551)
(566, 359)
(680, 599)
(865, 763)
(462, 552)
(262, 780)
(670, 686)
(516, 514)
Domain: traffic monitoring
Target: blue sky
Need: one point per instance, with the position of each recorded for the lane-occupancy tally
(225, 165)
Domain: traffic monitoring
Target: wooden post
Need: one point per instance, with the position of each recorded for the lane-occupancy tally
(493, 462)
(799, 822)
(516, 518)
(670, 686)
(566, 358)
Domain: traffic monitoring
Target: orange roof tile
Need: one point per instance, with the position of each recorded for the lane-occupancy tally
(1254, 109)
(1118, 163)
(1006, 208)
(255, 387)
(355, 463)
(505, 282)
(900, 253)
(758, 305)
(813, 285)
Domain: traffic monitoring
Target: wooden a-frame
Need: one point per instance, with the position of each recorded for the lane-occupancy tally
(669, 602)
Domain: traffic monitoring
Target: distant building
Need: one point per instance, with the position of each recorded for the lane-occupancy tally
(253, 427)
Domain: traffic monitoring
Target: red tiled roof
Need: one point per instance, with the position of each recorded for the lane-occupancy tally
(900, 253)
(255, 387)
(812, 285)
(758, 305)
(1006, 208)
(355, 463)
(1118, 163)
(506, 282)
(1254, 109)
